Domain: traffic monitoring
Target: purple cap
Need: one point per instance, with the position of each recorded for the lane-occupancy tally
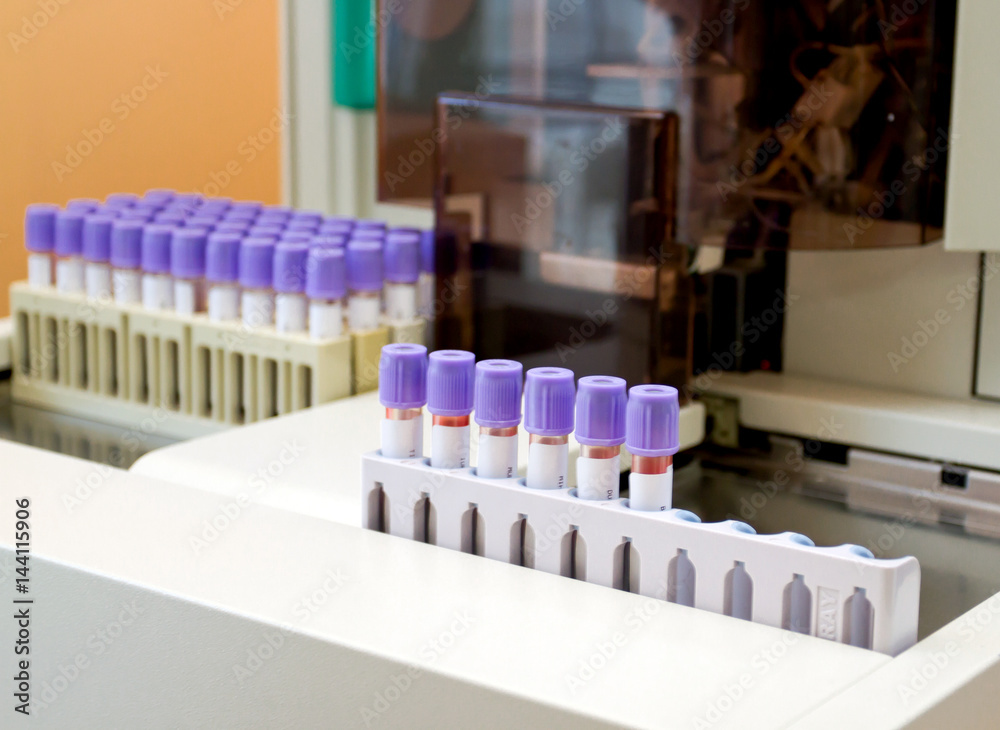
(121, 200)
(231, 226)
(427, 251)
(187, 253)
(290, 267)
(651, 421)
(111, 211)
(402, 258)
(367, 234)
(170, 218)
(328, 240)
(40, 227)
(548, 401)
(338, 220)
(283, 210)
(208, 222)
(222, 257)
(156, 248)
(295, 237)
(600, 411)
(272, 219)
(309, 226)
(451, 381)
(84, 205)
(132, 214)
(260, 229)
(337, 229)
(326, 274)
(498, 393)
(367, 224)
(160, 196)
(145, 206)
(69, 232)
(97, 238)
(126, 244)
(307, 215)
(215, 206)
(257, 263)
(187, 201)
(402, 376)
(364, 266)
(242, 212)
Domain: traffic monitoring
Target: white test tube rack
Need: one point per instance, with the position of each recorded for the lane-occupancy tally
(124, 363)
(838, 593)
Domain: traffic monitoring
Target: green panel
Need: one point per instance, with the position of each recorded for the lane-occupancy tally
(354, 53)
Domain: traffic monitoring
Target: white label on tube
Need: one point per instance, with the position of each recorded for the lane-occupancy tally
(403, 439)
(257, 308)
(326, 320)
(98, 281)
(290, 312)
(548, 465)
(449, 447)
(69, 275)
(363, 312)
(39, 269)
(188, 297)
(426, 295)
(651, 492)
(597, 478)
(127, 285)
(401, 302)
(223, 302)
(157, 291)
(497, 457)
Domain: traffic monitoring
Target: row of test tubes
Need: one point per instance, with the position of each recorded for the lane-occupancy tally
(296, 270)
(602, 412)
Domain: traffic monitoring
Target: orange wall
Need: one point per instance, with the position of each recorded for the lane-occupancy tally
(72, 73)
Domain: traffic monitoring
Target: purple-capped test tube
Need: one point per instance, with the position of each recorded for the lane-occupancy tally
(498, 414)
(126, 260)
(291, 309)
(402, 390)
(402, 271)
(364, 285)
(222, 269)
(187, 264)
(40, 239)
(121, 200)
(97, 256)
(326, 286)
(600, 430)
(652, 436)
(451, 380)
(549, 395)
(69, 251)
(157, 285)
(257, 280)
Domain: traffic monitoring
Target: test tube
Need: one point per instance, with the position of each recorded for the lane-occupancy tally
(69, 251)
(498, 414)
(222, 268)
(233, 226)
(600, 430)
(364, 284)
(170, 218)
(83, 205)
(402, 270)
(40, 239)
(548, 419)
(402, 390)
(652, 436)
(157, 287)
(327, 241)
(256, 277)
(187, 264)
(215, 206)
(243, 210)
(207, 222)
(187, 201)
(158, 196)
(291, 310)
(97, 255)
(295, 237)
(326, 285)
(302, 226)
(126, 260)
(265, 231)
(426, 284)
(121, 200)
(451, 376)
